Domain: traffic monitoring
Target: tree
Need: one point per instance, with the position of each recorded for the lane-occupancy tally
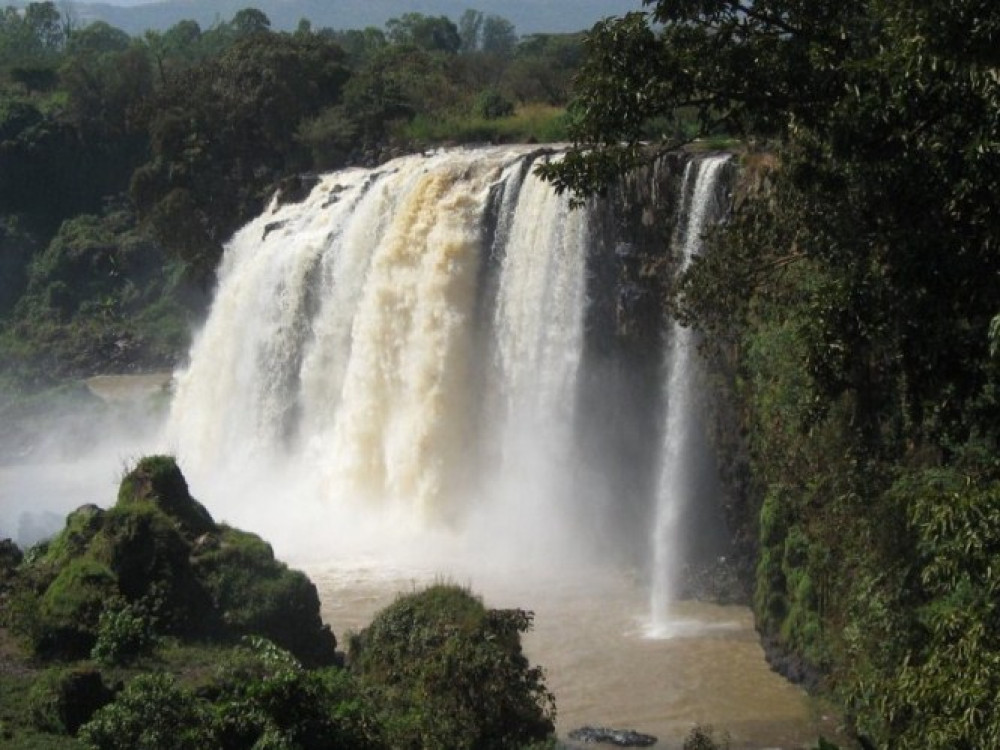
(250, 21)
(97, 38)
(498, 36)
(45, 24)
(887, 148)
(430, 33)
(470, 26)
(31, 35)
(224, 130)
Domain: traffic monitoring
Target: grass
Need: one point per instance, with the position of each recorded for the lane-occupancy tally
(533, 123)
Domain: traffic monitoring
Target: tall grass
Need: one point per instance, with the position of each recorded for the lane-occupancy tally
(531, 123)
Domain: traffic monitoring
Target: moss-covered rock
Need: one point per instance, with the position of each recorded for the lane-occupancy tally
(158, 549)
(255, 593)
(70, 608)
(150, 557)
(158, 480)
(81, 526)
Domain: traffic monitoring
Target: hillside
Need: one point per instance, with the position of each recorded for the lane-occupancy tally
(528, 16)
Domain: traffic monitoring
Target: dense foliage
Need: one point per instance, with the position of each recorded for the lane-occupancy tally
(851, 300)
(447, 672)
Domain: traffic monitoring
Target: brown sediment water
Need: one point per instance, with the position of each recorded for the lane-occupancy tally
(593, 640)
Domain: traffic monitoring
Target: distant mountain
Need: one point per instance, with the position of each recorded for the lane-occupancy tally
(528, 16)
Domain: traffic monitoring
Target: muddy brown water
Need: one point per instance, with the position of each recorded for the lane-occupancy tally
(605, 669)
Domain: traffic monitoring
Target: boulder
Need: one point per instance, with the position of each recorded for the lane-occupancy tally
(617, 737)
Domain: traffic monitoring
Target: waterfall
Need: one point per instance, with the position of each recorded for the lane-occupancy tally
(677, 484)
(404, 355)
(345, 341)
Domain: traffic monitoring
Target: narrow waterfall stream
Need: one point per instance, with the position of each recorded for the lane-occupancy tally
(678, 483)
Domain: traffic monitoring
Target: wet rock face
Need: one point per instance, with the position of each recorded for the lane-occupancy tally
(617, 737)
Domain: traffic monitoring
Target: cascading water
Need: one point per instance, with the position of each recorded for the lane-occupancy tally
(678, 485)
(404, 349)
(345, 343)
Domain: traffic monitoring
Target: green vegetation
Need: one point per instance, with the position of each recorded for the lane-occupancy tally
(148, 625)
(852, 303)
(127, 162)
(444, 671)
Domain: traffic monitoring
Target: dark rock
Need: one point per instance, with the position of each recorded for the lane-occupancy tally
(790, 665)
(272, 227)
(295, 189)
(617, 737)
(83, 693)
(63, 701)
(10, 558)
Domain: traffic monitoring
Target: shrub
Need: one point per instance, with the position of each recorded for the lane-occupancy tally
(124, 632)
(447, 672)
(152, 712)
(265, 698)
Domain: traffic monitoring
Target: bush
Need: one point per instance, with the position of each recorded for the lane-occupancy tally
(152, 712)
(447, 672)
(124, 632)
(265, 698)
(492, 105)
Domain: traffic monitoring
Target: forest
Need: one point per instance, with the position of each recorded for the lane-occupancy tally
(848, 308)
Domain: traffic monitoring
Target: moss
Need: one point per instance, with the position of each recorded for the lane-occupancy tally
(158, 480)
(70, 608)
(81, 527)
(255, 593)
(150, 557)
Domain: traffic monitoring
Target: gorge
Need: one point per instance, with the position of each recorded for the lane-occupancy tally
(438, 367)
